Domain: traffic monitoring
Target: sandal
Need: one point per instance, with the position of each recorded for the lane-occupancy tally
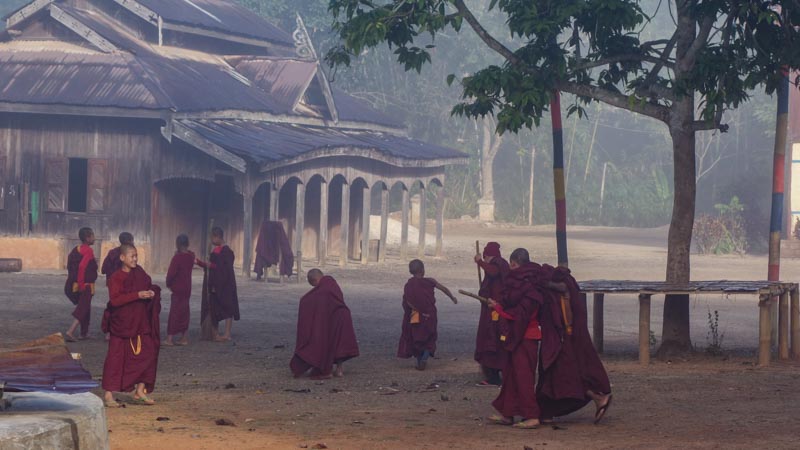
(500, 420)
(601, 411)
(167, 344)
(143, 400)
(530, 424)
(111, 404)
(69, 338)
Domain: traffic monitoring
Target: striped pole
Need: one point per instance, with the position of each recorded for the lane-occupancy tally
(559, 189)
(778, 164)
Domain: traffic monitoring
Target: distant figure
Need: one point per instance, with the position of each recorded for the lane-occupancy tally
(325, 335)
(79, 288)
(132, 321)
(112, 262)
(220, 280)
(179, 281)
(272, 247)
(489, 351)
(418, 338)
(518, 308)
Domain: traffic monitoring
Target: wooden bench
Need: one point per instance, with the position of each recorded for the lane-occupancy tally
(785, 296)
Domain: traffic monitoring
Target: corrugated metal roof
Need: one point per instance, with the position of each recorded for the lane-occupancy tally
(265, 142)
(226, 16)
(105, 28)
(284, 79)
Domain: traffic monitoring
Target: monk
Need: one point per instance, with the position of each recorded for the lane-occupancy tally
(79, 288)
(418, 337)
(223, 300)
(112, 262)
(325, 335)
(518, 309)
(132, 321)
(489, 351)
(572, 374)
(179, 281)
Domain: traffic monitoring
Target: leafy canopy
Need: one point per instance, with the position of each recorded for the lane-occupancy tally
(717, 49)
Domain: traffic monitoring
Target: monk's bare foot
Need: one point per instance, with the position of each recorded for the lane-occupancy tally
(168, 343)
(339, 372)
(602, 407)
(143, 400)
(69, 338)
(500, 420)
(528, 424)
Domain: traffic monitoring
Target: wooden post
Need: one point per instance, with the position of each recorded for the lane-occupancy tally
(247, 239)
(366, 212)
(404, 227)
(322, 241)
(644, 329)
(422, 213)
(764, 333)
(773, 315)
(384, 224)
(274, 194)
(795, 327)
(783, 326)
(345, 225)
(299, 225)
(439, 221)
(597, 321)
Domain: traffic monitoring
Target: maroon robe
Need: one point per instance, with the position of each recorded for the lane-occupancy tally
(417, 337)
(220, 282)
(489, 351)
(179, 281)
(325, 333)
(111, 263)
(273, 246)
(518, 325)
(570, 364)
(133, 325)
(79, 288)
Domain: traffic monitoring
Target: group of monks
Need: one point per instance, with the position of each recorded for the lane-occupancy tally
(532, 340)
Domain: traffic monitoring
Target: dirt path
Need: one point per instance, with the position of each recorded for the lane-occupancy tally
(706, 402)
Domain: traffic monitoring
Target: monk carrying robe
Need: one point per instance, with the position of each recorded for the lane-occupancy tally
(325, 335)
(179, 281)
(519, 327)
(220, 284)
(79, 288)
(419, 328)
(572, 374)
(133, 324)
(489, 351)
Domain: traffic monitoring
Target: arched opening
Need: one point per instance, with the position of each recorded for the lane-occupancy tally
(313, 214)
(358, 189)
(287, 209)
(335, 187)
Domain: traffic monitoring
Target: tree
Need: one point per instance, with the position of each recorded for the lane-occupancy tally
(718, 51)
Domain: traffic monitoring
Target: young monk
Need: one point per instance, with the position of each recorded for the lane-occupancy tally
(418, 338)
(179, 280)
(223, 299)
(518, 309)
(79, 288)
(489, 351)
(325, 335)
(112, 262)
(132, 321)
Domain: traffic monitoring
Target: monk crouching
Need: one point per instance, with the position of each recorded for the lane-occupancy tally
(325, 334)
(131, 318)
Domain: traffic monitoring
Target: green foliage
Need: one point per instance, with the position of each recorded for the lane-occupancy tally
(723, 233)
(714, 337)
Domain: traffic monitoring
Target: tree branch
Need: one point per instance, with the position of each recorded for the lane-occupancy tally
(487, 38)
(632, 57)
(612, 98)
(699, 42)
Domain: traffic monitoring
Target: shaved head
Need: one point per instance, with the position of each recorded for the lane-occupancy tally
(124, 249)
(416, 267)
(314, 275)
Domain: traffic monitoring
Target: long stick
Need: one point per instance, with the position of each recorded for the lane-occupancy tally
(478, 252)
(476, 297)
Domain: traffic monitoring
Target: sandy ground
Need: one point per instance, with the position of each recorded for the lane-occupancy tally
(702, 402)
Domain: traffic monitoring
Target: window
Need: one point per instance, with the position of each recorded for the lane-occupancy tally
(56, 177)
(97, 184)
(78, 189)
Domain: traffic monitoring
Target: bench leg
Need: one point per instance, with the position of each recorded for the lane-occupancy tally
(597, 322)
(795, 326)
(764, 331)
(644, 329)
(783, 327)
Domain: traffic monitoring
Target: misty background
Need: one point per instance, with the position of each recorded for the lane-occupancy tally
(627, 155)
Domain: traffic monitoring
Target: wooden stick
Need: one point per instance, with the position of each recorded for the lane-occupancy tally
(478, 252)
(485, 301)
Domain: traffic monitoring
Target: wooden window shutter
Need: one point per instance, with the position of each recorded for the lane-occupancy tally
(56, 175)
(98, 185)
(3, 181)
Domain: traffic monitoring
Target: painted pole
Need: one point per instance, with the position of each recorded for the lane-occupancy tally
(778, 165)
(559, 188)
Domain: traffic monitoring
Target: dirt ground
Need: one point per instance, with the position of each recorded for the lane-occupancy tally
(702, 402)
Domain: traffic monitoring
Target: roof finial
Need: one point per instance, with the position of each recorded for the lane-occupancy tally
(302, 41)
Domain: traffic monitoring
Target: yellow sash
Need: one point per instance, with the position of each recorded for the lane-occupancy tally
(414, 316)
(75, 287)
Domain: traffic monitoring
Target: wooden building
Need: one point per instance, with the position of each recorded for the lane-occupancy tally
(163, 116)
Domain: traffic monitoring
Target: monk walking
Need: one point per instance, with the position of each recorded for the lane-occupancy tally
(223, 300)
(489, 351)
(179, 281)
(325, 335)
(132, 321)
(418, 338)
(79, 288)
(518, 309)
(572, 374)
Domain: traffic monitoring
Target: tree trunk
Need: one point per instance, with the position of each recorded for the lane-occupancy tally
(530, 187)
